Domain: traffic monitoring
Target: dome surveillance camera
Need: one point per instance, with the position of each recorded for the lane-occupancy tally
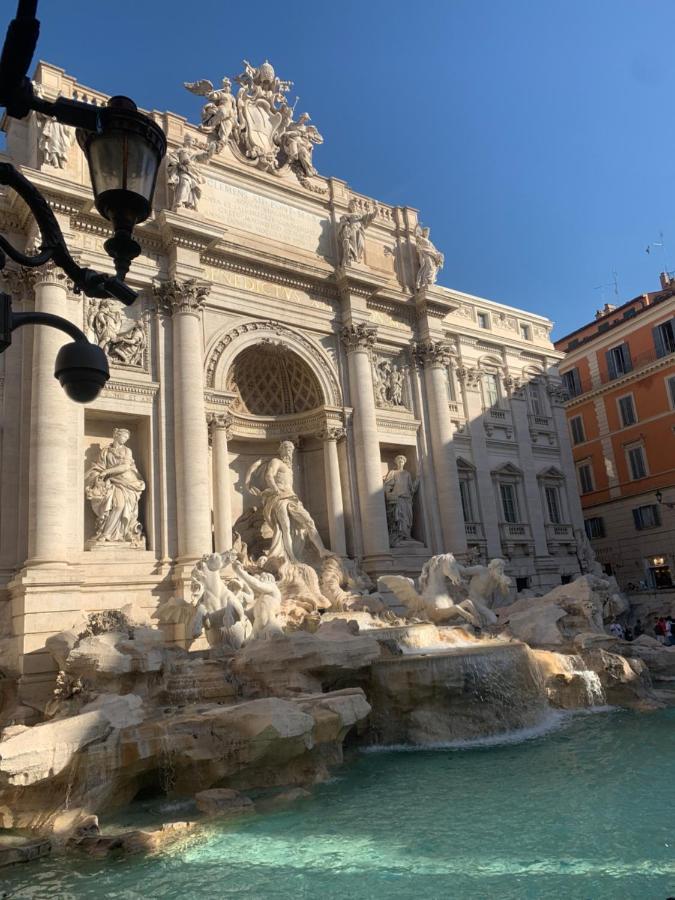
(82, 369)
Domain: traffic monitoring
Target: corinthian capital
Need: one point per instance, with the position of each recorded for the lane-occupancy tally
(220, 421)
(432, 353)
(332, 433)
(180, 296)
(358, 337)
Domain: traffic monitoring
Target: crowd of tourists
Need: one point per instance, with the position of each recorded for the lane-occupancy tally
(664, 630)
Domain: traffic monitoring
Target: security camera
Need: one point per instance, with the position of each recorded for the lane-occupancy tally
(82, 369)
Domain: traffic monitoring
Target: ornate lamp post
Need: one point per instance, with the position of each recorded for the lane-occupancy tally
(124, 149)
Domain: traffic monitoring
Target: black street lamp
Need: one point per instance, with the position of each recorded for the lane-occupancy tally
(124, 149)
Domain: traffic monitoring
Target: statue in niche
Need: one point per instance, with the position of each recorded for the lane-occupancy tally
(297, 142)
(114, 486)
(55, 138)
(287, 521)
(183, 173)
(388, 383)
(352, 234)
(219, 113)
(430, 259)
(266, 602)
(399, 491)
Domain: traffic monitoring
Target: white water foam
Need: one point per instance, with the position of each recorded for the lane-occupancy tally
(552, 721)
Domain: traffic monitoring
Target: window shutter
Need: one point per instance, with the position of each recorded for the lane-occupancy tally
(659, 342)
(657, 515)
(625, 355)
(611, 364)
(637, 519)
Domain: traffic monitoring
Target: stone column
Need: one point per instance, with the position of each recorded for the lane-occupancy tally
(469, 379)
(533, 497)
(557, 397)
(334, 505)
(53, 439)
(358, 340)
(434, 356)
(184, 300)
(220, 425)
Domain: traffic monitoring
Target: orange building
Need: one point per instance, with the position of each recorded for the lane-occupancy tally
(619, 371)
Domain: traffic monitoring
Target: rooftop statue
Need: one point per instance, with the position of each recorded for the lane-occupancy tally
(352, 234)
(258, 122)
(430, 259)
(184, 176)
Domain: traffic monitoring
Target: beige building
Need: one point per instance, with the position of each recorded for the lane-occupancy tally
(275, 304)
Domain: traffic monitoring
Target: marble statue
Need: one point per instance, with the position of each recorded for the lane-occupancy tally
(431, 598)
(114, 486)
(127, 348)
(219, 114)
(183, 173)
(297, 142)
(430, 259)
(266, 602)
(258, 123)
(55, 138)
(290, 524)
(399, 491)
(219, 610)
(486, 583)
(389, 381)
(352, 235)
(586, 554)
(104, 324)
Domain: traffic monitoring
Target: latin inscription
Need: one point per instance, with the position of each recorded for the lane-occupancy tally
(237, 208)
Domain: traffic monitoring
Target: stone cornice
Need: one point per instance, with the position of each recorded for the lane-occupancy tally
(131, 390)
(269, 273)
(628, 378)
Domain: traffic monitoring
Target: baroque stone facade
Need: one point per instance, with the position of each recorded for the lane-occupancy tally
(275, 305)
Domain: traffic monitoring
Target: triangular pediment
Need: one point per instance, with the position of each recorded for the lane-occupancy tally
(508, 468)
(464, 465)
(551, 472)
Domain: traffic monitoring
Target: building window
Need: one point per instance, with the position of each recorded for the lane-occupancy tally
(670, 386)
(637, 463)
(595, 527)
(536, 400)
(525, 332)
(572, 382)
(664, 338)
(585, 478)
(627, 410)
(490, 389)
(553, 504)
(509, 503)
(467, 501)
(618, 361)
(522, 584)
(577, 429)
(646, 517)
(483, 320)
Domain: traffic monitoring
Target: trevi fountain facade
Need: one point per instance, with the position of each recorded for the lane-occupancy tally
(301, 505)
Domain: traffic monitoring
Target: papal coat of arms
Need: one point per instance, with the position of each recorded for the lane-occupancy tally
(258, 122)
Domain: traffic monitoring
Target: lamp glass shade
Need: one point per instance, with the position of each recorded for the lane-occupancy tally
(124, 155)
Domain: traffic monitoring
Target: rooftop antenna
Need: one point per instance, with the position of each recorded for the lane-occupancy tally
(660, 243)
(614, 284)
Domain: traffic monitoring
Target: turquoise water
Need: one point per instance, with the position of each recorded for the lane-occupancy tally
(584, 811)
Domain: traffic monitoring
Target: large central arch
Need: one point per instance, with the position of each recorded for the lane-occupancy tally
(275, 337)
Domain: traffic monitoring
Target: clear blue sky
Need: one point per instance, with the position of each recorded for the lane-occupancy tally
(536, 138)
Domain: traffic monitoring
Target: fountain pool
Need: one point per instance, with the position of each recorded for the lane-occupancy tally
(585, 809)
